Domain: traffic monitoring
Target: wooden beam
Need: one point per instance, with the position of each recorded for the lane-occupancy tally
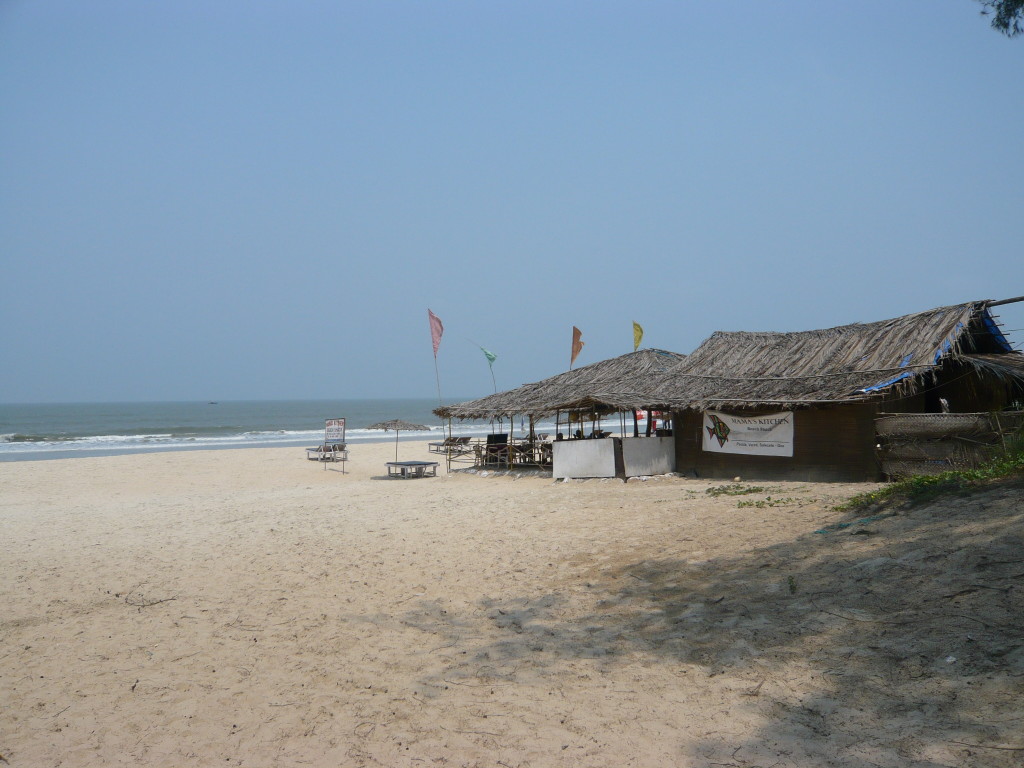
(1005, 301)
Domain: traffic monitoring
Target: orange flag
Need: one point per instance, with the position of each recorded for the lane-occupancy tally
(577, 345)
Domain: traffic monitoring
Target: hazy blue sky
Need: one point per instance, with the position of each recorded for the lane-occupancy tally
(249, 200)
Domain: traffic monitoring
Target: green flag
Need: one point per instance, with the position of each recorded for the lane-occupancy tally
(491, 357)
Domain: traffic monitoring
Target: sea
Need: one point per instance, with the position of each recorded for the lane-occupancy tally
(69, 430)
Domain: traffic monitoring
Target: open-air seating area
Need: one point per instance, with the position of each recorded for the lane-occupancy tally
(514, 452)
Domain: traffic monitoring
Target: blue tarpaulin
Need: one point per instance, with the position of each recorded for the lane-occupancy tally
(886, 383)
(993, 328)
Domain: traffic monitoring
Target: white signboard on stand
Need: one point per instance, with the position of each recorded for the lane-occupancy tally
(766, 435)
(334, 432)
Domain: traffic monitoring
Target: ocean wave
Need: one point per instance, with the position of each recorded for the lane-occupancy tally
(66, 430)
(30, 443)
(22, 444)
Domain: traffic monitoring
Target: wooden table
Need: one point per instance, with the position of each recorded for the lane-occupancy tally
(407, 469)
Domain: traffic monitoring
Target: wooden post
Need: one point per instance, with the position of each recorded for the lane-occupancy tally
(1005, 301)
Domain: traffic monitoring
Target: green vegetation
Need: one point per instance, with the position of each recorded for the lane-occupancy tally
(735, 489)
(1009, 463)
(769, 502)
(1007, 15)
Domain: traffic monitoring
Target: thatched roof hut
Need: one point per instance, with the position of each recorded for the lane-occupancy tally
(827, 388)
(616, 384)
(889, 359)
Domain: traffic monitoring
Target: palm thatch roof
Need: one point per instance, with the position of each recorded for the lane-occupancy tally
(848, 363)
(615, 384)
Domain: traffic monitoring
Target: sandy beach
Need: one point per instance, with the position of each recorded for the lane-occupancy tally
(249, 607)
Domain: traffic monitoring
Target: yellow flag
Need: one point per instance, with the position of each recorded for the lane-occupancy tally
(638, 334)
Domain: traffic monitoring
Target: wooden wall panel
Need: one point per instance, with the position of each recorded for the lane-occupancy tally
(834, 444)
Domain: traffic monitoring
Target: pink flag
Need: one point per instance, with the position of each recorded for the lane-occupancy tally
(436, 329)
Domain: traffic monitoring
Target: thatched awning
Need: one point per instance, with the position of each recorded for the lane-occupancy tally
(837, 365)
(1009, 367)
(615, 384)
(845, 364)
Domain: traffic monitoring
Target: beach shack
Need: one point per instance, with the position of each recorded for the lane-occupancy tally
(589, 405)
(807, 406)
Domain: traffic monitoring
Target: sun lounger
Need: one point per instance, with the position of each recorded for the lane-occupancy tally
(455, 446)
(441, 446)
(328, 452)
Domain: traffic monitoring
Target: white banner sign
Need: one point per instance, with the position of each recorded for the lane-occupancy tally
(767, 435)
(335, 431)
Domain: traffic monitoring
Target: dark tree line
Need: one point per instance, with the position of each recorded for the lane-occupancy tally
(1007, 15)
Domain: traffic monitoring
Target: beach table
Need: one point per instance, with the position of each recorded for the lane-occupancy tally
(407, 469)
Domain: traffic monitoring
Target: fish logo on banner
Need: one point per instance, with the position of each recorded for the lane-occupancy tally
(718, 430)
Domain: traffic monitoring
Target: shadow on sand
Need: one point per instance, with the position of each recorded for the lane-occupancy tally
(893, 642)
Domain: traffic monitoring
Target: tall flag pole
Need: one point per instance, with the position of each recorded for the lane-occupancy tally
(491, 357)
(436, 330)
(577, 345)
(638, 334)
